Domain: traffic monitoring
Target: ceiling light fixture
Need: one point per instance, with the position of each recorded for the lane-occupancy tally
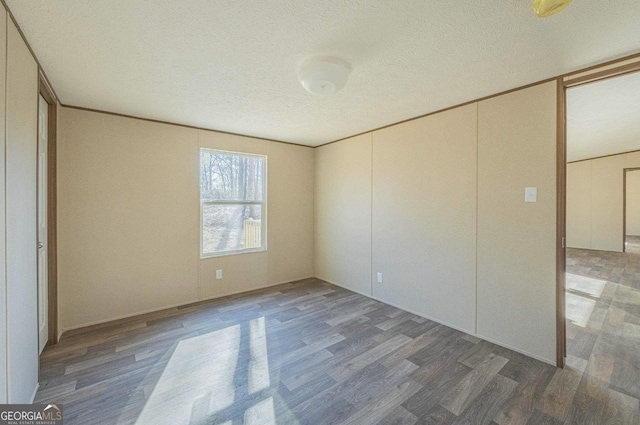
(323, 76)
(544, 8)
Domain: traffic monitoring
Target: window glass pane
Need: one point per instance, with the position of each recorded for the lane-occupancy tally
(230, 177)
(230, 227)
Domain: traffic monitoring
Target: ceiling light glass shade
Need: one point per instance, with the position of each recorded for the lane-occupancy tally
(544, 8)
(324, 76)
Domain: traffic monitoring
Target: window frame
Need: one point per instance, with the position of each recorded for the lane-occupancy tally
(262, 204)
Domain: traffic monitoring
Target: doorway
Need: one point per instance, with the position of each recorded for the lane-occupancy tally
(47, 217)
(600, 285)
(631, 210)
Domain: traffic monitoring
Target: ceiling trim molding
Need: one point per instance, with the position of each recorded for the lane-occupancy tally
(459, 105)
(603, 156)
(603, 75)
(607, 64)
(625, 69)
(81, 108)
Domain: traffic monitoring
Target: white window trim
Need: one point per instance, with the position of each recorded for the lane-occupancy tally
(263, 204)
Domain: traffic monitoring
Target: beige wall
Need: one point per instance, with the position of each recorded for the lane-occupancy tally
(128, 217)
(21, 235)
(343, 213)
(595, 202)
(579, 204)
(127, 230)
(291, 212)
(632, 159)
(606, 203)
(633, 203)
(424, 215)
(516, 240)
(434, 183)
(289, 255)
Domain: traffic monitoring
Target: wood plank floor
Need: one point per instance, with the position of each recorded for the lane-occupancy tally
(312, 353)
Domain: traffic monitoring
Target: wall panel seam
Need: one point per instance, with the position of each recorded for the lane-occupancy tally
(371, 272)
(198, 272)
(475, 322)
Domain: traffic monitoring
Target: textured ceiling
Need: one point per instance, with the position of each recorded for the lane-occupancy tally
(603, 118)
(231, 65)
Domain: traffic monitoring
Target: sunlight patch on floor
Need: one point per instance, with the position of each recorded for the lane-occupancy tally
(205, 375)
(192, 376)
(579, 309)
(259, 363)
(586, 285)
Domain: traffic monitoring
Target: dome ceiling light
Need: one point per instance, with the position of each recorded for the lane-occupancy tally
(323, 76)
(545, 8)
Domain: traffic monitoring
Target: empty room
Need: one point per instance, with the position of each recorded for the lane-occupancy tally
(320, 212)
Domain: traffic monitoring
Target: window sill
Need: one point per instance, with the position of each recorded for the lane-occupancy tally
(228, 253)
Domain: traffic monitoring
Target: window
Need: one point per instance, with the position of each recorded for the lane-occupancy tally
(232, 203)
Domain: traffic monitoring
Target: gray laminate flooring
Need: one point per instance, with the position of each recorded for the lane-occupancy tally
(603, 330)
(312, 353)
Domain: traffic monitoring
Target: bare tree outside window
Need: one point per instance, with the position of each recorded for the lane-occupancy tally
(233, 202)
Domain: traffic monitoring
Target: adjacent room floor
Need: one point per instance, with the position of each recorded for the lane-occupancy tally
(632, 244)
(603, 327)
(313, 353)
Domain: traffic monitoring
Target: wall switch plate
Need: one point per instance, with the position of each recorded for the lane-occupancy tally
(219, 274)
(379, 277)
(530, 194)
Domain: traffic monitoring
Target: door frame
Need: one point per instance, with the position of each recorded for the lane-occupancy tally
(52, 241)
(561, 223)
(624, 206)
(612, 69)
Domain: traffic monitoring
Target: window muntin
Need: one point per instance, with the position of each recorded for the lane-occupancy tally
(232, 202)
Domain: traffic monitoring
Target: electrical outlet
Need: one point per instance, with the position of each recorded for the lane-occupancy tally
(379, 277)
(219, 274)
